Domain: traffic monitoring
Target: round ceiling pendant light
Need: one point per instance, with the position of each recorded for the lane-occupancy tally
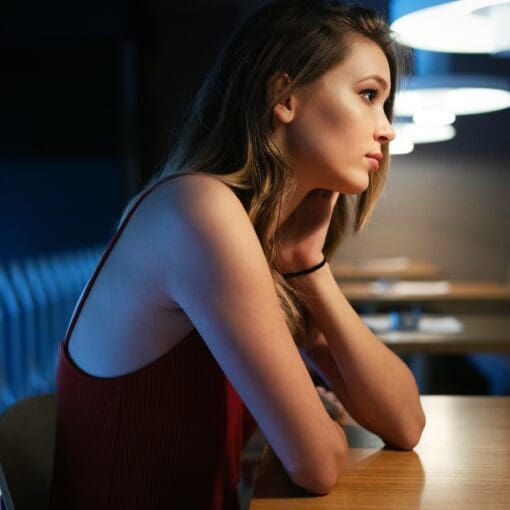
(425, 96)
(407, 134)
(401, 146)
(423, 134)
(467, 26)
(432, 117)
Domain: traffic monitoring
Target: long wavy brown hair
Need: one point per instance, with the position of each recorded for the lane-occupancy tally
(228, 130)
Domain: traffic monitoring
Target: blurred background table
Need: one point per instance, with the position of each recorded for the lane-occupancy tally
(483, 357)
(433, 296)
(477, 333)
(461, 462)
(389, 268)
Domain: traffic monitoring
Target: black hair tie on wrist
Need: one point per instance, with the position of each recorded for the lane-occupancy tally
(305, 271)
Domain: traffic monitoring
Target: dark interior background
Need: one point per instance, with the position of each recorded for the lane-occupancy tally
(92, 93)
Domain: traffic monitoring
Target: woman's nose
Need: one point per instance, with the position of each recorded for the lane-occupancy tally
(385, 132)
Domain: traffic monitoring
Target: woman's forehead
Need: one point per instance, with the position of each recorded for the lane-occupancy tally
(364, 59)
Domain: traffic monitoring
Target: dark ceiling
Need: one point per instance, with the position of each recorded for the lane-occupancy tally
(61, 65)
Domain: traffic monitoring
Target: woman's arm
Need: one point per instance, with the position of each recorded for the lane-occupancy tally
(215, 270)
(375, 386)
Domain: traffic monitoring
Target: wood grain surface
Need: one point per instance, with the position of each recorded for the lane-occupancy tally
(461, 462)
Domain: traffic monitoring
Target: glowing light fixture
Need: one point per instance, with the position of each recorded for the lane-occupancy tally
(401, 146)
(423, 134)
(434, 117)
(407, 134)
(466, 26)
(435, 95)
(451, 94)
(460, 101)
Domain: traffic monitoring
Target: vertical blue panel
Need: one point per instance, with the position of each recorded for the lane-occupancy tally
(37, 299)
(28, 321)
(54, 316)
(13, 345)
(43, 320)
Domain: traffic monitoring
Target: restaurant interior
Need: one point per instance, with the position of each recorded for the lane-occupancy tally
(93, 96)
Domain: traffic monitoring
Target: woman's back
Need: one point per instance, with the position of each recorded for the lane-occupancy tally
(168, 434)
(128, 318)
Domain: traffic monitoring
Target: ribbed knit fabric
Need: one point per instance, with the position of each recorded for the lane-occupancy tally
(167, 436)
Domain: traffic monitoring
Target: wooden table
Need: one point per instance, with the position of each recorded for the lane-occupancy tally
(481, 333)
(392, 268)
(462, 462)
(461, 296)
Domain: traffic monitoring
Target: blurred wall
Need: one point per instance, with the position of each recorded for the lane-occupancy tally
(180, 43)
(450, 209)
(57, 205)
(61, 172)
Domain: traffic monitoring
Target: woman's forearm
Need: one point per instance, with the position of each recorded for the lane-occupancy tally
(376, 387)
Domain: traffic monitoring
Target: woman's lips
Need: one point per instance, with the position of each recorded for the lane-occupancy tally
(374, 163)
(374, 159)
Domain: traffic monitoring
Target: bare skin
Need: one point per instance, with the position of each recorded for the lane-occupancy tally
(190, 258)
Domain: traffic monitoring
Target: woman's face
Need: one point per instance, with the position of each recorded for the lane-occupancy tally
(339, 120)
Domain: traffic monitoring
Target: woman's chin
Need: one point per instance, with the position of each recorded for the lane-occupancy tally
(353, 187)
(355, 182)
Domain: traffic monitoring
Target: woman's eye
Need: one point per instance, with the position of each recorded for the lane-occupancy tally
(370, 95)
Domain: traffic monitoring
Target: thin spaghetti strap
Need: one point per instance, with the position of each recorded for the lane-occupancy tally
(109, 247)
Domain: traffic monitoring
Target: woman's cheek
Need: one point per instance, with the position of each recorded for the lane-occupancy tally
(306, 142)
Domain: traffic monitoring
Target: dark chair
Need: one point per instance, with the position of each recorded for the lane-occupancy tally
(27, 442)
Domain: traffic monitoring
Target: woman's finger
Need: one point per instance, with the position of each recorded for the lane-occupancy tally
(334, 408)
(331, 396)
(334, 197)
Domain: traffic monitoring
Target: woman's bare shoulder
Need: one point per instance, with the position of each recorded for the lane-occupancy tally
(198, 197)
(195, 185)
(189, 209)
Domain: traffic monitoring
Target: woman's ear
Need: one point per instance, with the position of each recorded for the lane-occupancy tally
(282, 106)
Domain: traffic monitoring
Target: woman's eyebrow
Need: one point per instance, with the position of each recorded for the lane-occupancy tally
(377, 78)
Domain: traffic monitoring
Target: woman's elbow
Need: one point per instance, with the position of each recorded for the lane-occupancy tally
(416, 430)
(317, 483)
(410, 434)
(322, 478)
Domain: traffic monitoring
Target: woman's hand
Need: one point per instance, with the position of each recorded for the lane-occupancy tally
(333, 406)
(300, 239)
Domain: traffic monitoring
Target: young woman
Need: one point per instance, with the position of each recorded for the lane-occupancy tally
(191, 327)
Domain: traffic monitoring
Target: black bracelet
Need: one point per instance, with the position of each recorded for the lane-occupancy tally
(305, 271)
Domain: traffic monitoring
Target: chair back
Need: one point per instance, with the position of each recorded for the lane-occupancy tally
(27, 442)
(5, 496)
